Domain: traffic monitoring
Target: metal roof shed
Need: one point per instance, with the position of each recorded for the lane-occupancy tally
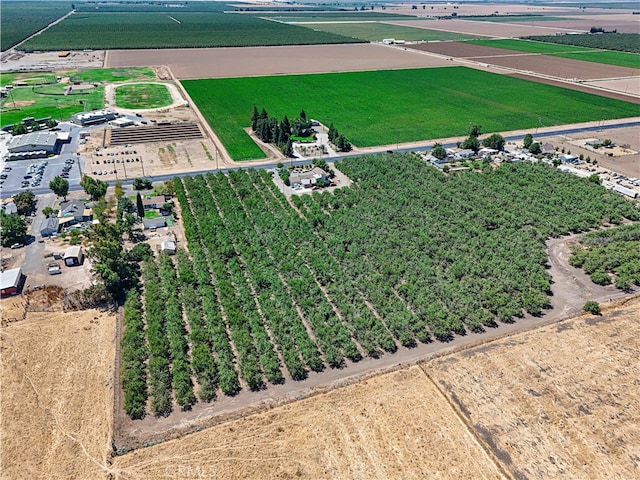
(10, 281)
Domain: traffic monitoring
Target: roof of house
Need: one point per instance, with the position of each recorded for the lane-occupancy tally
(157, 200)
(93, 114)
(10, 208)
(10, 278)
(37, 140)
(154, 222)
(51, 223)
(70, 208)
(74, 251)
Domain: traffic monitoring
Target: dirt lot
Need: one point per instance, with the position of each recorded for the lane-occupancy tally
(392, 426)
(628, 165)
(562, 401)
(623, 23)
(56, 392)
(254, 61)
(541, 64)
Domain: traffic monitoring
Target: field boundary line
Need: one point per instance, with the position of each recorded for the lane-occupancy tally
(466, 423)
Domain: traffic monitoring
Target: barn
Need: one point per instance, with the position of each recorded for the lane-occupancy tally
(11, 282)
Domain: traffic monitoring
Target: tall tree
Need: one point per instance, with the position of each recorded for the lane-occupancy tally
(303, 115)
(471, 143)
(59, 186)
(475, 130)
(288, 149)
(495, 141)
(96, 189)
(439, 151)
(254, 118)
(527, 140)
(333, 133)
(139, 205)
(25, 201)
(13, 229)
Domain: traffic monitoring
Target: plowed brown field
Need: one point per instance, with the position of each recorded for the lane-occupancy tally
(541, 64)
(189, 63)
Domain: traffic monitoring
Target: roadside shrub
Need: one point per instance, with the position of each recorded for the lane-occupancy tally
(592, 307)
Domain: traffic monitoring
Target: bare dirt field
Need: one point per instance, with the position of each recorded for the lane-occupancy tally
(562, 401)
(623, 23)
(438, 9)
(485, 29)
(392, 426)
(56, 392)
(541, 64)
(189, 63)
(46, 61)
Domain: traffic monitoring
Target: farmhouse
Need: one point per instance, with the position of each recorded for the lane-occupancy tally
(49, 226)
(75, 210)
(154, 223)
(307, 179)
(73, 256)
(33, 145)
(547, 149)
(465, 153)
(153, 203)
(90, 118)
(11, 281)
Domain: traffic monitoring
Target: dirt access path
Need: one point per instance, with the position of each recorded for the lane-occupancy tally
(571, 289)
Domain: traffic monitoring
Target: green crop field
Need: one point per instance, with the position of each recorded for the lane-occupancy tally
(143, 95)
(389, 106)
(608, 57)
(48, 101)
(21, 19)
(622, 42)
(377, 31)
(172, 30)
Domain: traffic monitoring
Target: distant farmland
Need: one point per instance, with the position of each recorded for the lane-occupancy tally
(608, 57)
(389, 106)
(173, 30)
(378, 31)
(21, 19)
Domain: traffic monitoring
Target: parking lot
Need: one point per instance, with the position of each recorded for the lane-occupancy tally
(35, 175)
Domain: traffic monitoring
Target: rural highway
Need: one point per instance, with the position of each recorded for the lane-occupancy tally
(415, 147)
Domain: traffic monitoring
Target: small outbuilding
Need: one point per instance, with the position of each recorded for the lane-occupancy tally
(73, 256)
(11, 282)
(168, 246)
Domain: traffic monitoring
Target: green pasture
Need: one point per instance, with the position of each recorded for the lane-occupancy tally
(38, 78)
(517, 18)
(375, 32)
(390, 106)
(48, 101)
(143, 95)
(111, 75)
(608, 57)
(174, 29)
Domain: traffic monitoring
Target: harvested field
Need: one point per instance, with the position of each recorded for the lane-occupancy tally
(623, 23)
(487, 29)
(57, 394)
(562, 401)
(540, 64)
(392, 426)
(193, 63)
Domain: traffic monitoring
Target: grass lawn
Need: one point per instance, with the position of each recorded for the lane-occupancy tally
(48, 101)
(151, 214)
(608, 57)
(143, 95)
(389, 106)
(375, 32)
(110, 75)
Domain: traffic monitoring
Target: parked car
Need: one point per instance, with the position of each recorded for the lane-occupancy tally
(17, 245)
